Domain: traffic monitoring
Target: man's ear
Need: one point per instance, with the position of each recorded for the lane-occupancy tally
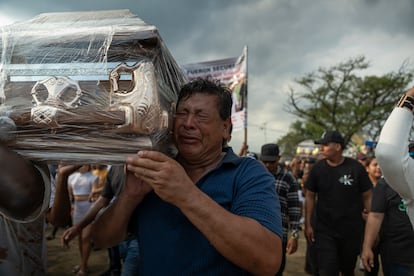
(227, 129)
(338, 146)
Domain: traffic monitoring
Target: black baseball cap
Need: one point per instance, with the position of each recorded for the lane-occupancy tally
(269, 153)
(331, 136)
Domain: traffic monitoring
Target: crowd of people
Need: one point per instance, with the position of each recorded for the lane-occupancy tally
(207, 210)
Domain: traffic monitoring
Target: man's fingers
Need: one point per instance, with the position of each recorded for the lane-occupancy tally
(153, 155)
(146, 164)
(145, 159)
(367, 264)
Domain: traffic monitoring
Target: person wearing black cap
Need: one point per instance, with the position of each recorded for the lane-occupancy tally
(391, 151)
(343, 191)
(287, 189)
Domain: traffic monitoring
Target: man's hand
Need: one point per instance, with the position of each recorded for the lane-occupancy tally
(364, 214)
(410, 92)
(309, 234)
(367, 257)
(69, 234)
(135, 187)
(165, 175)
(292, 246)
(66, 170)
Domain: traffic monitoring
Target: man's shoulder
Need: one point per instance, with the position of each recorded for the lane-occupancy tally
(352, 161)
(355, 165)
(319, 165)
(230, 156)
(284, 175)
(285, 179)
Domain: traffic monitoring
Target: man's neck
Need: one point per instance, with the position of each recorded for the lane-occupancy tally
(196, 170)
(334, 162)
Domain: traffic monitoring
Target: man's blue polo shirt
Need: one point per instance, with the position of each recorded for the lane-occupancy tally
(170, 245)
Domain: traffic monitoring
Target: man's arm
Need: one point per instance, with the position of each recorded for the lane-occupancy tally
(95, 190)
(22, 187)
(294, 213)
(366, 199)
(309, 206)
(243, 149)
(98, 205)
(392, 150)
(372, 229)
(59, 214)
(241, 240)
(73, 231)
(111, 226)
(392, 153)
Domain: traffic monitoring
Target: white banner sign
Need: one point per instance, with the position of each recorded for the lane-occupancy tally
(231, 72)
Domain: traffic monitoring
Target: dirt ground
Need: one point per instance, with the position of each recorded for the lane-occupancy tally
(61, 261)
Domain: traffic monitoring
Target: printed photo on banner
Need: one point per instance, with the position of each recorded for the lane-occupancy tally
(231, 72)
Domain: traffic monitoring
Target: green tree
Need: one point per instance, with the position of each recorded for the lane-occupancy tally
(342, 98)
(288, 143)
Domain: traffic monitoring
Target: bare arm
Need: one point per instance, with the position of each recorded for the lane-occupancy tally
(243, 149)
(59, 213)
(95, 190)
(309, 206)
(73, 231)
(366, 199)
(21, 185)
(372, 229)
(111, 226)
(93, 211)
(70, 192)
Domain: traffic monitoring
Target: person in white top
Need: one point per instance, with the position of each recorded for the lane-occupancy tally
(392, 154)
(82, 186)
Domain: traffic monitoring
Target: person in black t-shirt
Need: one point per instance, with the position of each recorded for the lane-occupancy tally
(389, 222)
(343, 190)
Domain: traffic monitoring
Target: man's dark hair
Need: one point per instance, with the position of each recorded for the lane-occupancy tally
(210, 87)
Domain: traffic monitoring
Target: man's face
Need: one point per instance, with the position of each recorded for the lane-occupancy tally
(272, 166)
(330, 150)
(198, 129)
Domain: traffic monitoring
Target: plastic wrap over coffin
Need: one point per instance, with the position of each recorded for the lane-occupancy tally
(86, 87)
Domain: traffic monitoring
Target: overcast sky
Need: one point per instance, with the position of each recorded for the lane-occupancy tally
(286, 39)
